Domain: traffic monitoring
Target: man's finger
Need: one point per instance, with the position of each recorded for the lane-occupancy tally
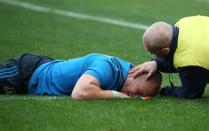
(148, 76)
(131, 74)
(137, 73)
(131, 71)
(134, 69)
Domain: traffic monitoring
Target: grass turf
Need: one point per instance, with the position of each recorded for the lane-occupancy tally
(23, 30)
(41, 113)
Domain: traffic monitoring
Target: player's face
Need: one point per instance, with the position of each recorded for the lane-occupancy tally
(137, 87)
(132, 87)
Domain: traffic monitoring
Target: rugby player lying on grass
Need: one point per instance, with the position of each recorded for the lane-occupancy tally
(94, 76)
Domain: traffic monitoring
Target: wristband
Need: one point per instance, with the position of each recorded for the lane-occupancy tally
(115, 94)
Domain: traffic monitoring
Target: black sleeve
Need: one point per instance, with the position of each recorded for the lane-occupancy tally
(193, 79)
(165, 66)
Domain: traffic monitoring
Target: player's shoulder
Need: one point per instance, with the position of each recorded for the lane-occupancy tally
(99, 57)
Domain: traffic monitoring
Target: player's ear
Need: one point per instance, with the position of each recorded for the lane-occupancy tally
(165, 50)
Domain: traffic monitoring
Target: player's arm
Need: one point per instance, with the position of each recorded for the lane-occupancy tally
(87, 87)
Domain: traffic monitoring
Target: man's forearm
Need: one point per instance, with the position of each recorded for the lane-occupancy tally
(90, 91)
(108, 94)
(88, 87)
(99, 94)
(164, 66)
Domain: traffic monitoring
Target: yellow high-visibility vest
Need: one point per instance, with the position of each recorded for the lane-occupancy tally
(193, 42)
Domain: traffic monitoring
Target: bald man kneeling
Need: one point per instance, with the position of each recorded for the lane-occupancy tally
(182, 48)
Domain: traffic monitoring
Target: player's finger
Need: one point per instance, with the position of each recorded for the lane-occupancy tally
(125, 96)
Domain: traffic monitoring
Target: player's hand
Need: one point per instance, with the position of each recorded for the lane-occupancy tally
(117, 94)
(123, 95)
(147, 67)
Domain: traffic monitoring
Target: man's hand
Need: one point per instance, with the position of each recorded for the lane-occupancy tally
(122, 95)
(147, 67)
(116, 94)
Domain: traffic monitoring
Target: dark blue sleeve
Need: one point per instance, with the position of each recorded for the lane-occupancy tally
(165, 66)
(193, 79)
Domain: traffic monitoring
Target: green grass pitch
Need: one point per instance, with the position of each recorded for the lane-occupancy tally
(24, 30)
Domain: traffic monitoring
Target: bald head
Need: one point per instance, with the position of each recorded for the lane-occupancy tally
(157, 36)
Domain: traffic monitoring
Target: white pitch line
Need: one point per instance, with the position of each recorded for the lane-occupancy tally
(74, 15)
(3, 98)
(202, 0)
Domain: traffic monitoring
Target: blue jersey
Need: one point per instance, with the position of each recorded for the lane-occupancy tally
(60, 76)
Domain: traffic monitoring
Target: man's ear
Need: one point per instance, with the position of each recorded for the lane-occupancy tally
(166, 50)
